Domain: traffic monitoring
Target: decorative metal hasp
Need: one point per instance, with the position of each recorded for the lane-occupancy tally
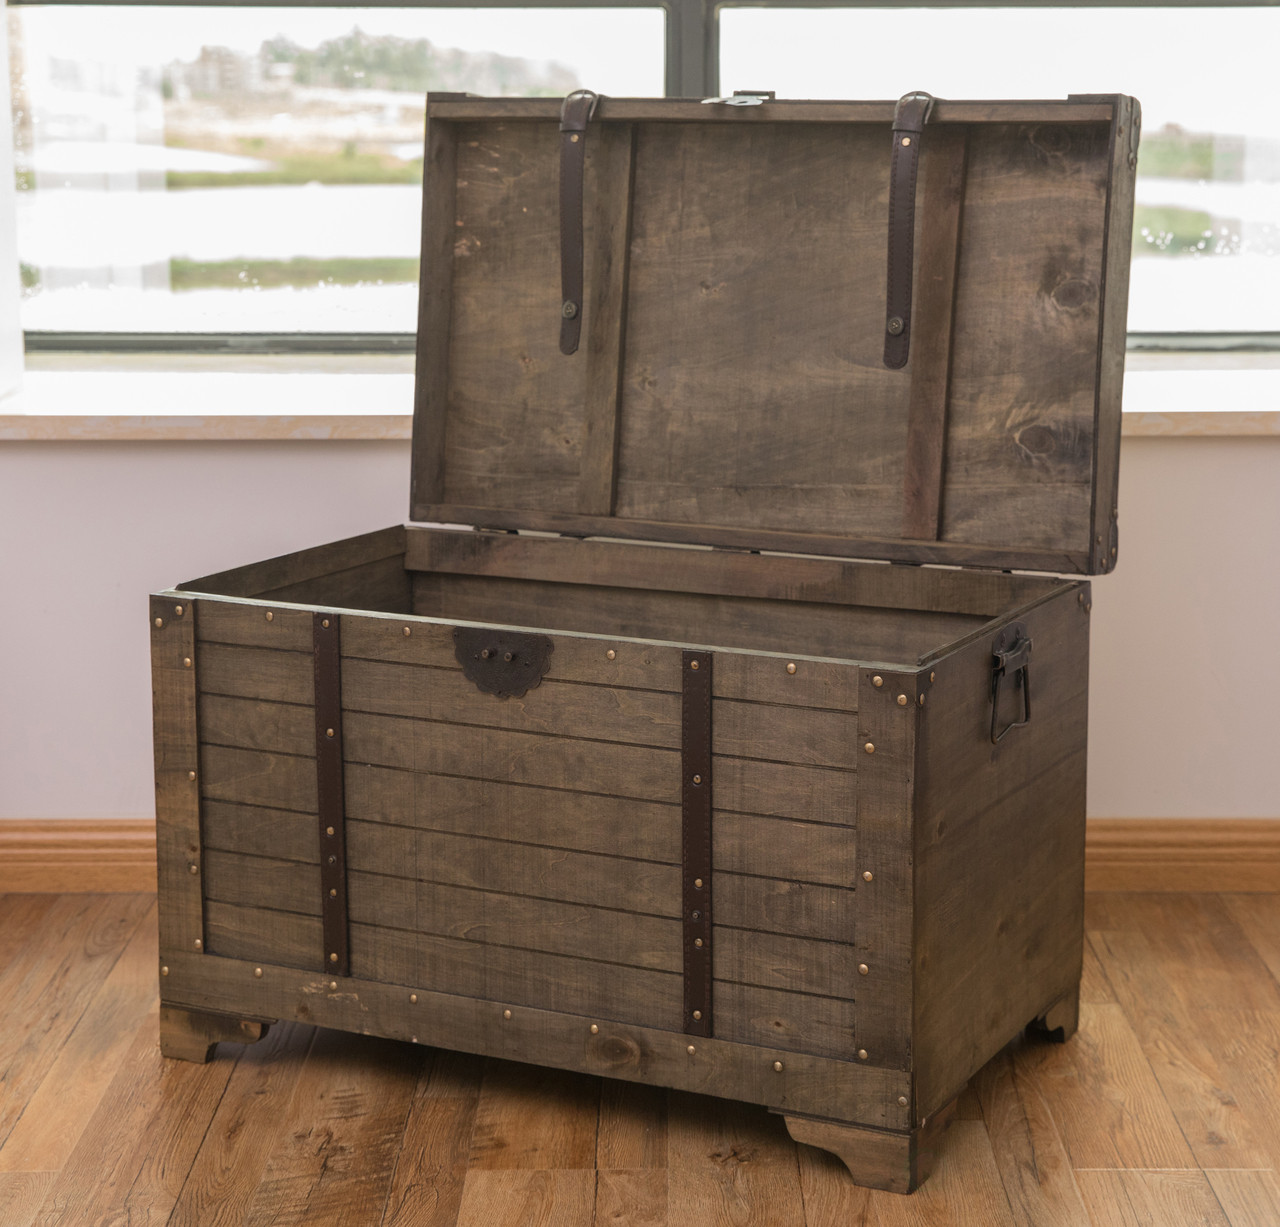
(507, 664)
(1010, 653)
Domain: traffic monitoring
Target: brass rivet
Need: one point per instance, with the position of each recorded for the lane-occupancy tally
(611, 654)
(1113, 551)
(906, 140)
(902, 700)
(573, 138)
(506, 1013)
(333, 892)
(485, 653)
(325, 623)
(697, 1016)
(594, 1029)
(867, 875)
(693, 664)
(870, 748)
(413, 998)
(186, 662)
(777, 1065)
(328, 830)
(333, 958)
(177, 610)
(199, 944)
(191, 775)
(1079, 598)
(193, 868)
(698, 883)
(413, 1039)
(877, 681)
(159, 622)
(328, 732)
(920, 700)
(697, 779)
(257, 972)
(862, 1054)
(697, 941)
(333, 985)
(691, 1050)
(164, 971)
(508, 657)
(931, 677)
(791, 668)
(408, 630)
(1098, 539)
(1088, 607)
(333, 860)
(270, 616)
(902, 1099)
(863, 969)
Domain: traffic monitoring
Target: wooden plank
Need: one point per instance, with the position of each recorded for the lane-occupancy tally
(775, 733)
(773, 906)
(1247, 1197)
(247, 625)
(262, 935)
(998, 850)
(21, 1195)
(630, 564)
(610, 171)
(256, 831)
(1259, 917)
(302, 565)
(178, 768)
(941, 205)
(821, 1026)
(633, 1134)
(435, 309)
(256, 673)
(248, 777)
(785, 790)
(250, 724)
(534, 1118)
(54, 1117)
(638, 1197)
(1128, 1199)
(831, 1199)
(808, 1084)
(230, 1165)
(382, 585)
(539, 1198)
(772, 960)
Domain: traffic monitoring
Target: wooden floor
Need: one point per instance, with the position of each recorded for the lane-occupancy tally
(1165, 1108)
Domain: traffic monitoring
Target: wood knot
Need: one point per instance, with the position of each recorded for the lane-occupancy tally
(1053, 139)
(1073, 294)
(1038, 440)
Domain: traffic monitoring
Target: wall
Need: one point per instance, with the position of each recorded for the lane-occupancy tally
(1185, 648)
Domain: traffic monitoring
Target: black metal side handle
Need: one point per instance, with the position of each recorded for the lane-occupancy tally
(1010, 654)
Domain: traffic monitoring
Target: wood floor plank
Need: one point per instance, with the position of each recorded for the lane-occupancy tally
(21, 918)
(50, 985)
(631, 1198)
(1259, 919)
(731, 1165)
(133, 1157)
(633, 1126)
(1028, 1149)
(535, 1118)
(431, 1170)
(831, 1199)
(336, 1149)
(530, 1197)
(21, 1194)
(1249, 1199)
(1095, 988)
(1151, 1199)
(55, 1116)
(1104, 1097)
(224, 1178)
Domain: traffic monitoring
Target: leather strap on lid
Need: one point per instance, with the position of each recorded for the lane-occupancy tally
(575, 114)
(909, 118)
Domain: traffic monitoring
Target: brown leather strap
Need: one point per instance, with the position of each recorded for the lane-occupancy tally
(695, 762)
(575, 113)
(909, 118)
(331, 802)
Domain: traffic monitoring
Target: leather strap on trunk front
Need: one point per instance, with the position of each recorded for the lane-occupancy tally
(909, 118)
(575, 114)
(695, 796)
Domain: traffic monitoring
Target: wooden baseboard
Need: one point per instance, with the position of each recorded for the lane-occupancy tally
(61, 855)
(1145, 854)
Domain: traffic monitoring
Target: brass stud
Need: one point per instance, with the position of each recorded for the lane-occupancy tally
(573, 138)
(193, 868)
(902, 1099)
(862, 1054)
(870, 748)
(186, 662)
(594, 1029)
(791, 668)
(177, 609)
(413, 998)
(693, 664)
(1079, 598)
(1088, 607)
(159, 623)
(697, 1016)
(191, 775)
(333, 892)
(413, 1039)
(902, 700)
(691, 1050)
(328, 732)
(863, 969)
(164, 971)
(199, 944)
(920, 700)
(333, 958)
(408, 630)
(867, 875)
(698, 883)
(777, 1065)
(270, 616)
(906, 140)
(333, 986)
(1113, 551)
(328, 830)
(257, 973)
(877, 681)
(506, 1014)
(931, 677)
(697, 941)
(697, 779)
(325, 623)
(611, 655)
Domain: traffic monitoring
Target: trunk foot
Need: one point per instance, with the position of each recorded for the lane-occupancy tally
(1058, 1023)
(192, 1035)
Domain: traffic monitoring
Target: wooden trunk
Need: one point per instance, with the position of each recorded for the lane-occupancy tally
(764, 820)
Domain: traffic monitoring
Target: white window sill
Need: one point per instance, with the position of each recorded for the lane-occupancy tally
(156, 398)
